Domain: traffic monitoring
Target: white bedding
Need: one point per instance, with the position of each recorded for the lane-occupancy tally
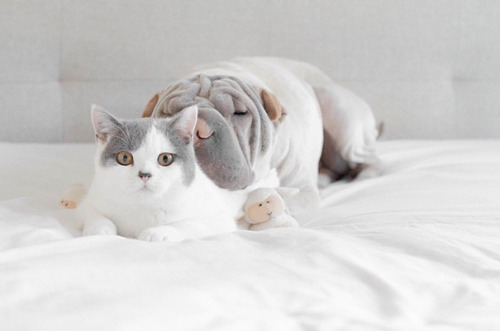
(417, 248)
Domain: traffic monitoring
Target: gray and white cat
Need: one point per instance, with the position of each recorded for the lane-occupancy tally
(147, 183)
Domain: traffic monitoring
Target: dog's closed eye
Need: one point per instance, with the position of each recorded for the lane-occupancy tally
(240, 113)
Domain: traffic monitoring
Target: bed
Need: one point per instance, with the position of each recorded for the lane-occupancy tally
(416, 248)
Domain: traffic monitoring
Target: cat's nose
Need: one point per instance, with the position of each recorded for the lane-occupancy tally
(145, 176)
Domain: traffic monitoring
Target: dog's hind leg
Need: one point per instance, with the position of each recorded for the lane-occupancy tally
(349, 127)
(350, 131)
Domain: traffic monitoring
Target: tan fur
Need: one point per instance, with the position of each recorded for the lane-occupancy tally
(272, 106)
(148, 111)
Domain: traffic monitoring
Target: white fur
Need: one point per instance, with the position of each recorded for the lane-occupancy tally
(298, 140)
(203, 208)
(162, 209)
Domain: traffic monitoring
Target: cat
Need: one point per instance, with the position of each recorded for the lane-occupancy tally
(148, 185)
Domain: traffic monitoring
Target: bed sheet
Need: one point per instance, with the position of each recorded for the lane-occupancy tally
(415, 248)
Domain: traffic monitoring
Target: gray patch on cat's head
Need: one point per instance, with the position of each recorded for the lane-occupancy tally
(128, 135)
(184, 150)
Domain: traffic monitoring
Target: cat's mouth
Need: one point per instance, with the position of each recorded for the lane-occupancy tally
(145, 189)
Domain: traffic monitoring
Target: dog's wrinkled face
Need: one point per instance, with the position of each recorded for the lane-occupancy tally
(235, 124)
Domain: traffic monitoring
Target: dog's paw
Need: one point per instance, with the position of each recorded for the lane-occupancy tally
(99, 229)
(161, 233)
(324, 180)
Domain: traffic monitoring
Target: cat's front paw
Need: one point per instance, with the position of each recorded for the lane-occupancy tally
(161, 233)
(99, 229)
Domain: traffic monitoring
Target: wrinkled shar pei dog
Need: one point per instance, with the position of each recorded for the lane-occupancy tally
(263, 115)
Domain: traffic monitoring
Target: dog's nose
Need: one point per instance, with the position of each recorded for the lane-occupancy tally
(145, 176)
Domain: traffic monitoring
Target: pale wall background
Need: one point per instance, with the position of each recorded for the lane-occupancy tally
(429, 68)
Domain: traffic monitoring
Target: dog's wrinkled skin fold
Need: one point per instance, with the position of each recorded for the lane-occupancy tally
(232, 141)
(260, 114)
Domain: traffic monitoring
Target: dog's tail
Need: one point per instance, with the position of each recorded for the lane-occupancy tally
(380, 129)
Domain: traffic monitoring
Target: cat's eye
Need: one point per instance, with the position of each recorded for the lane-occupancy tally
(165, 159)
(124, 158)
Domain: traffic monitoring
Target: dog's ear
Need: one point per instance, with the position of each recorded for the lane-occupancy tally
(148, 111)
(203, 130)
(273, 107)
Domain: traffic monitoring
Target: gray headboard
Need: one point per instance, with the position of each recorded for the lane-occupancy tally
(430, 69)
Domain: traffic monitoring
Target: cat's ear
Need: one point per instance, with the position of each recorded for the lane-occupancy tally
(103, 122)
(185, 123)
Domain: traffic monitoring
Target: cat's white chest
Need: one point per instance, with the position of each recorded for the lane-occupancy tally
(134, 219)
(214, 209)
(136, 190)
(131, 216)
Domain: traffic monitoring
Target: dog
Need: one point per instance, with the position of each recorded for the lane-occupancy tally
(263, 115)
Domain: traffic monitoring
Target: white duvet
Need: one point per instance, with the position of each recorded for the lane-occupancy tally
(417, 248)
